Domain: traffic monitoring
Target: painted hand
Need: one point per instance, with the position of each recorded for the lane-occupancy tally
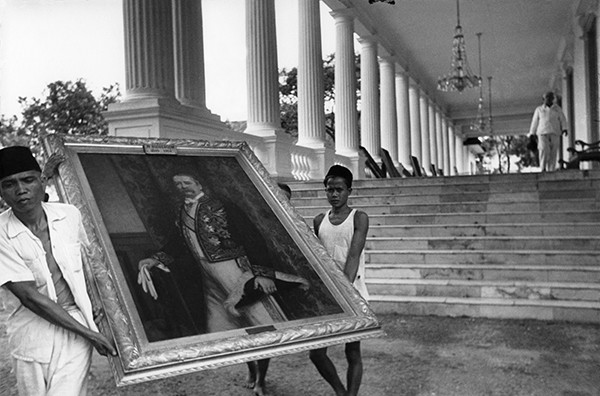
(267, 285)
(144, 277)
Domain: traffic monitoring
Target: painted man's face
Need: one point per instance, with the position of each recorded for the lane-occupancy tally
(187, 186)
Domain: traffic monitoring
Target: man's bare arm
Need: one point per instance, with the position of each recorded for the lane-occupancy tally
(41, 305)
(361, 228)
(317, 223)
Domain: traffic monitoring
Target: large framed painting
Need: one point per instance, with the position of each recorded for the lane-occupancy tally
(197, 258)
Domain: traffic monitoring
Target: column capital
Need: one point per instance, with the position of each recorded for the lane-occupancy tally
(343, 14)
(414, 85)
(387, 59)
(402, 73)
(368, 40)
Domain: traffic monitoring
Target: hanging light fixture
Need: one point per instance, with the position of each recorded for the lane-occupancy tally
(460, 77)
(480, 125)
(490, 129)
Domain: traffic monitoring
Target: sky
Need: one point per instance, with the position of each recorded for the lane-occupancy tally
(42, 41)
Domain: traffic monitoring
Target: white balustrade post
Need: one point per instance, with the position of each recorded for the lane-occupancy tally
(370, 136)
(311, 112)
(389, 122)
(403, 114)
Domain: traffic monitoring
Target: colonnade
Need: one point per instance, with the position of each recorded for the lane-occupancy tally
(165, 93)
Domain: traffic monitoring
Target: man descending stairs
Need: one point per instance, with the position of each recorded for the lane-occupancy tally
(497, 246)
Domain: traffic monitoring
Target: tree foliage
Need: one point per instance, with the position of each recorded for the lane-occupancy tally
(68, 107)
(288, 95)
(500, 149)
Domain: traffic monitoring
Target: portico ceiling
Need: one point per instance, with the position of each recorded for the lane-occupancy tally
(522, 41)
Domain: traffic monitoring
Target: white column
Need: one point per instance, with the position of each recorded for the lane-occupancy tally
(415, 120)
(389, 122)
(452, 148)
(432, 133)
(403, 114)
(261, 69)
(438, 138)
(346, 125)
(445, 146)
(148, 49)
(311, 113)
(466, 160)
(424, 116)
(189, 53)
(370, 135)
(458, 153)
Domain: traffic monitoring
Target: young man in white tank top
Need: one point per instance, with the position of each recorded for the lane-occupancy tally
(343, 232)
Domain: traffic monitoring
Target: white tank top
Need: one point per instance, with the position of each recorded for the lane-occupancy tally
(337, 239)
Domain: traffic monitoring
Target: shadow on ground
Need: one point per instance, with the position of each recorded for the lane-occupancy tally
(418, 356)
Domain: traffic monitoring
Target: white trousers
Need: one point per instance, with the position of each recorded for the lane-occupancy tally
(67, 372)
(549, 144)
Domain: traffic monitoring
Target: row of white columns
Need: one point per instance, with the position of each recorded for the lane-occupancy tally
(164, 61)
(396, 114)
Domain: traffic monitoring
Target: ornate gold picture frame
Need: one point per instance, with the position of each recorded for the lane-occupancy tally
(215, 246)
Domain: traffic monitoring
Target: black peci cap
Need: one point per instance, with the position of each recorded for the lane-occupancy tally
(17, 159)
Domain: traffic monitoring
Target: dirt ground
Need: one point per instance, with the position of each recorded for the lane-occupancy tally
(418, 356)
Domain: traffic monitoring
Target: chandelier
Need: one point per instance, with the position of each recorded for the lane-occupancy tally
(490, 129)
(479, 125)
(460, 77)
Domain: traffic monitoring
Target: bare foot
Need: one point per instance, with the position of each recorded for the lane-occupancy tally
(250, 383)
(260, 390)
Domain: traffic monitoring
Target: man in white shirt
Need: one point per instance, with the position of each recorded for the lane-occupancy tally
(548, 123)
(52, 330)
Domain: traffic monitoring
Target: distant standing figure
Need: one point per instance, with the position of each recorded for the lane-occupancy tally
(548, 123)
(343, 231)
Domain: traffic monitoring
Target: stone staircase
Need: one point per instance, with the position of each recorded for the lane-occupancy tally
(496, 246)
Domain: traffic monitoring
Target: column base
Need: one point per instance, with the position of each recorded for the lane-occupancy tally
(263, 129)
(164, 118)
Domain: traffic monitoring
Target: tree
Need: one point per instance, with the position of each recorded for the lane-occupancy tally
(288, 95)
(69, 108)
(502, 148)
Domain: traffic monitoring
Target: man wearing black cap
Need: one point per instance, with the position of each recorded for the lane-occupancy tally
(52, 331)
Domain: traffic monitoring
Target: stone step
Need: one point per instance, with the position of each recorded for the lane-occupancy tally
(404, 199)
(535, 243)
(578, 291)
(541, 229)
(475, 218)
(480, 257)
(562, 310)
(565, 190)
(567, 175)
(491, 272)
(375, 208)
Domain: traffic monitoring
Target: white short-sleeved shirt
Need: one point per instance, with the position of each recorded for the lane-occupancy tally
(22, 258)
